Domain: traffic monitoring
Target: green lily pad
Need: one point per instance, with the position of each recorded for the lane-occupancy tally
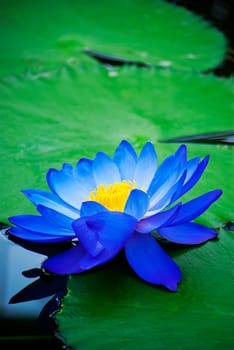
(110, 308)
(40, 35)
(47, 120)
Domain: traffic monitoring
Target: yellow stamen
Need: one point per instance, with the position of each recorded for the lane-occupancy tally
(113, 196)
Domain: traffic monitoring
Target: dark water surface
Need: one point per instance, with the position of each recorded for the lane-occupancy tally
(28, 298)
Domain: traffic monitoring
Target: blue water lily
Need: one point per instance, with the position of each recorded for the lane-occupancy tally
(108, 204)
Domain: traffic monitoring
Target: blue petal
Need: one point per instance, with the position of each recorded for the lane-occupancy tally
(105, 255)
(39, 237)
(65, 184)
(51, 201)
(181, 154)
(153, 222)
(162, 199)
(105, 171)
(106, 230)
(137, 204)
(89, 208)
(193, 178)
(189, 233)
(196, 207)
(76, 260)
(67, 262)
(191, 167)
(84, 174)
(40, 224)
(151, 263)
(125, 157)
(168, 172)
(146, 166)
(55, 217)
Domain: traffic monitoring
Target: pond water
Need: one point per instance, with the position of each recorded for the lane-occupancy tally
(28, 298)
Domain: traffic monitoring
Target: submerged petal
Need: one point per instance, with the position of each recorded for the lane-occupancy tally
(189, 233)
(151, 263)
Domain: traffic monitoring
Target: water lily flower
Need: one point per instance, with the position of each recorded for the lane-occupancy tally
(108, 204)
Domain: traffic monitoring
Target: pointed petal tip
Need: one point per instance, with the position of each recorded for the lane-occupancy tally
(49, 269)
(172, 287)
(182, 148)
(10, 219)
(124, 142)
(213, 234)
(26, 192)
(219, 193)
(214, 194)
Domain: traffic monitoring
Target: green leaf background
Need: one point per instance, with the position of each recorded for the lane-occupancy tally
(36, 35)
(59, 117)
(57, 105)
(110, 308)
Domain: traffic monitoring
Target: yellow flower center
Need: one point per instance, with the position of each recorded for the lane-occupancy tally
(113, 196)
